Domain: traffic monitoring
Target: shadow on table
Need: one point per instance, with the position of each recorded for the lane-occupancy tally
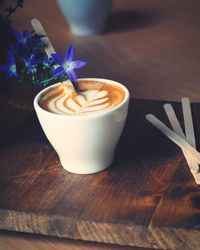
(140, 140)
(133, 19)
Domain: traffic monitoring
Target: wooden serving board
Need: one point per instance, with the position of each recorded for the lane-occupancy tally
(147, 198)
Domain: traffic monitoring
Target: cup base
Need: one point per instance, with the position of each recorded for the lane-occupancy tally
(85, 168)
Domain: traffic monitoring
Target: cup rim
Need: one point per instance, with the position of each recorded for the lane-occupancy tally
(89, 115)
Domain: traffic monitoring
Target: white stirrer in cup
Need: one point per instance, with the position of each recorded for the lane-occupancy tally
(41, 32)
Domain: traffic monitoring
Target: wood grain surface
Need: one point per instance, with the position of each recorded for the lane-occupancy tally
(153, 47)
(147, 198)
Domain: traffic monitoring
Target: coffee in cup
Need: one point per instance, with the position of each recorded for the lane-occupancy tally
(93, 96)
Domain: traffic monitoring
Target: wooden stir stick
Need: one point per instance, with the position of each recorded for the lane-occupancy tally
(41, 32)
(185, 142)
(189, 130)
(176, 127)
(194, 167)
(49, 49)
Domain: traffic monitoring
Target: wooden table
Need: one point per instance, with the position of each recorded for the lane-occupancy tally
(153, 47)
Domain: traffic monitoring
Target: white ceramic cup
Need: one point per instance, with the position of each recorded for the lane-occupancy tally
(86, 143)
(86, 17)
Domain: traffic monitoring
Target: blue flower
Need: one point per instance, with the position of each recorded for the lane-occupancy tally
(10, 68)
(24, 37)
(47, 62)
(68, 65)
(31, 63)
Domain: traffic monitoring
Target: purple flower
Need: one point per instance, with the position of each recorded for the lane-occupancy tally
(31, 63)
(10, 68)
(24, 37)
(68, 65)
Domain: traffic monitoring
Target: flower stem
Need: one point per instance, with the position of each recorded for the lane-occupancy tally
(47, 80)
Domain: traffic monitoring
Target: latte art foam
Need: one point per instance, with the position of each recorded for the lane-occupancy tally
(93, 97)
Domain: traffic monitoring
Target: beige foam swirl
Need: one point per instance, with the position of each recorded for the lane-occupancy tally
(64, 100)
